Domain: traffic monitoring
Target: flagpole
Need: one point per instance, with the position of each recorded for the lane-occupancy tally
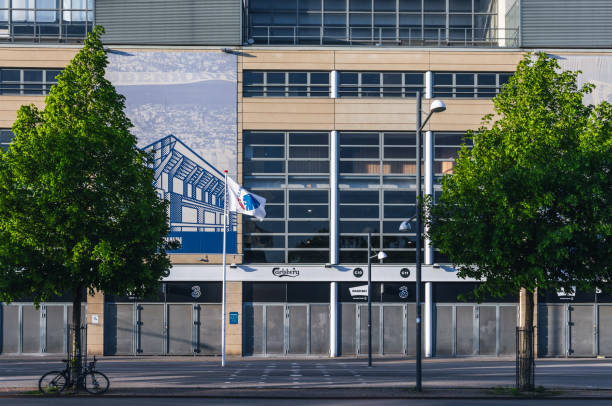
(224, 270)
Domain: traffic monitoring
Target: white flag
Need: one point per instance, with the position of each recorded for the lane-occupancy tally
(242, 201)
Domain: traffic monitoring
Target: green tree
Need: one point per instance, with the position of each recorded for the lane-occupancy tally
(78, 210)
(528, 207)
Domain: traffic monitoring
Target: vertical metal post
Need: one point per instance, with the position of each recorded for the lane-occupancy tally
(418, 243)
(224, 271)
(369, 299)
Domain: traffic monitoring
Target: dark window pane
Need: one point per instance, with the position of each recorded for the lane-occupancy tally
(354, 257)
(256, 91)
(263, 241)
(303, 211)
(334, 5)
(414, 78)
(435, 5)
(263, 226)
(400, 197)
(308, 152)
(483, 6)
(401, 257)
(298, 78)
(358, 196)
(264, 138)
(448, 139)
(398, 242)
(11, 75)
(32, 75)
(308, 167)
(393, 227)
(276, 77)
(460, 5)
(370, 78)
(464, 92)
(358, 139)
(446, 152)
(401, 212)
(266, 256)
(275, 211)
(51, 75)
(504, 77)
(308, 196)
(298, 91)
(251, 77)
(319, 91)
(362, 167)
(32, 89)
(264, 152)
(392, 78)
(308, 257)
(264, 167)
(358, 241)
(358, 211)
(464, 79)
(311, 241)
(442, 79)
(486, 79)
(410, 5)
(319, 78)
(309, 227)
(308, 138)
(400, 139)
(359, 226)
(399, 152)
(359, 152)
(349, 78)
(271, 196)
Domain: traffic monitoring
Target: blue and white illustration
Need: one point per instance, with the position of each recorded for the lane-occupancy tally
(183, 106)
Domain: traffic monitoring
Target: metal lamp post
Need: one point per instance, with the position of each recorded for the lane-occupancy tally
(437, 106)
(380, 255)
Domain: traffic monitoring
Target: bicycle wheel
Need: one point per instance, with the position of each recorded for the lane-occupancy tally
(96, 383)
(52, 382)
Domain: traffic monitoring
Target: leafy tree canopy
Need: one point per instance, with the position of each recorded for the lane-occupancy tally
(529, 205)
(78, 209)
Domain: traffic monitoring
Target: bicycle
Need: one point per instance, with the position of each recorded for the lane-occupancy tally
(94, 382)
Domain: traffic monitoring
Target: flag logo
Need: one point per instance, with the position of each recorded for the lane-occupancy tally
(242, 201)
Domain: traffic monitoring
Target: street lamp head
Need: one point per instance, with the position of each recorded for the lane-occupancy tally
(381, 255)
(437, 106)
(405, 226)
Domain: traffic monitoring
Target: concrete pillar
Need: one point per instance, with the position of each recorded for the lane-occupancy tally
(95, 324)
(233, 332)
(429, 333)
(333, 84)
(429, 181)
(428, 85)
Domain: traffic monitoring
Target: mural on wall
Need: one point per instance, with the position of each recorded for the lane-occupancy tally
(183, 107)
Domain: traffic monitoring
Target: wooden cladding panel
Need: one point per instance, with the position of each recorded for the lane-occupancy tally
(287, 114)
(381, 61)
(287, 60)
(36, 57)
(10, 104)
(500, 61)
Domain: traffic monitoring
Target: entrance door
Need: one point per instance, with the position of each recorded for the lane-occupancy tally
(393, 329)
(10, 329)
(150, 329)
(55, 332)
(604, 332)
(319, 329)
(180, 329)
(210, 323)
(298, 327)
(581, 330)
(363, 329)
(275, 329)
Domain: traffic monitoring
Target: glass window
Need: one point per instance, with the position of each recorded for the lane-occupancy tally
(266, 256)
(358, 211)
(358, 139)
(308, 196)
(308, 241)
(264, 138)
(410, 5)
(358, 196)
(334, 5)
(256, 226)
(308, 138)
(359, 227)
(308, 257)
(263, 241)
(308, 226)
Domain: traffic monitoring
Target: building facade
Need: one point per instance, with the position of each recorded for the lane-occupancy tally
(311, 104)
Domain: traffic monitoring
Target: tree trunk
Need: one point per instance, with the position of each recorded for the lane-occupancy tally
(76, 350)
(525, 364)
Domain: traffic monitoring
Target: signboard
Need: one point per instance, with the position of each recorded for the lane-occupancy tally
(405, 273)
(358, 272)
(359, 292)
(233, 318)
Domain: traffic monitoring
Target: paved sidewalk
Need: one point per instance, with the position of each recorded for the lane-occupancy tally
(341, 377)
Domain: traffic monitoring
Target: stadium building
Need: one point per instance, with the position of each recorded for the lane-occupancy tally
(311, 104)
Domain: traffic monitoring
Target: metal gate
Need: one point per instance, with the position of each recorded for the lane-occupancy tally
(286, 329)
(468, 329)
(392, 333)
(574, 330)
(28, 330)
(160, 329)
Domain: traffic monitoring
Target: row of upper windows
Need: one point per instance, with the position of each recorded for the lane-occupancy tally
(478, 6)
(372, 84)
(27, 81)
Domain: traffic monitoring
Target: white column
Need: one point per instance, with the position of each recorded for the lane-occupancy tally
(428, 85)
(333, 84)
(429, 333)
(333, 319)
(429, 177)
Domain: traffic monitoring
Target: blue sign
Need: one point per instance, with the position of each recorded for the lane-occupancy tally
(233, 317)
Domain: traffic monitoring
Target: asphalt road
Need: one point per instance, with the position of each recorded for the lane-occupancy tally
(157, 373)
(293, 402)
